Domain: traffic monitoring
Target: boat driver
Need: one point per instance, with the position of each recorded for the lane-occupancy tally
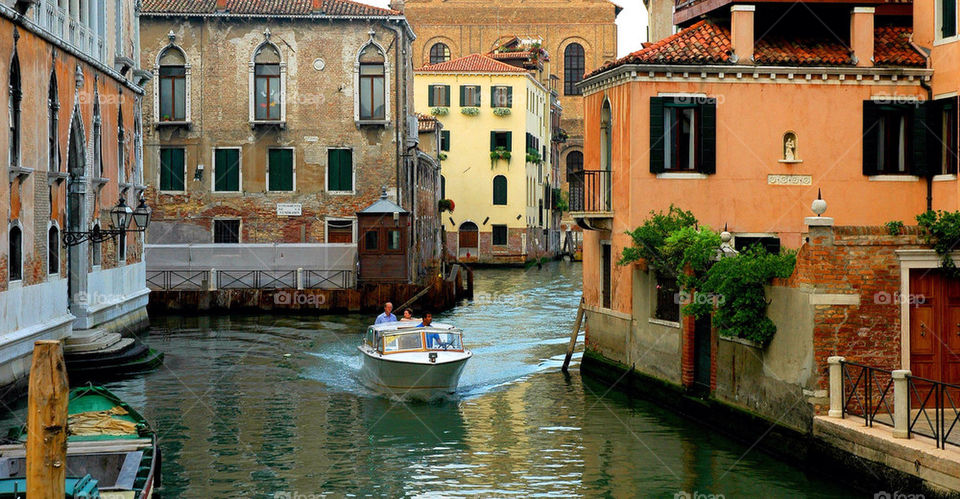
(431, 337)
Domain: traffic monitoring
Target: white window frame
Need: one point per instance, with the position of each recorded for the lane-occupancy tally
(386, 85)
(160, 168)
(51, 224)
(213, 229)
(186, 86)
(293, 165)
(353, 172)
(252, 98)
(937, 32)
(213, 170)
(326, 227)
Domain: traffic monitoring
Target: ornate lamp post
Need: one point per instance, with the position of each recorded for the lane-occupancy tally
(120, 217)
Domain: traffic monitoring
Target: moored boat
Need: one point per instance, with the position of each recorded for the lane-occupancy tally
(402, 360)
(108, 443)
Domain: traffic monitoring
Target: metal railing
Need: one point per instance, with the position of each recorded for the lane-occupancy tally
(867, 390)
(940, 399)
(213, 279)
(591, 191)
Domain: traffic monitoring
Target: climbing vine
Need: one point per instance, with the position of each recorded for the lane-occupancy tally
(941, 229)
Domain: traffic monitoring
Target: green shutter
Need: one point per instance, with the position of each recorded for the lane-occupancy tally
(281, 169)
(499, 190)
(446, 95)
(445, 140)
(431, 98)
(509, 140)
(171, 170)
(871, 118)
(509, 97)
(339, 170)
(948, 16)
(493, 96)
(463, 95)
(226, 170)
(926, 141)
(708, 137)
(656, 135)
(493, 141)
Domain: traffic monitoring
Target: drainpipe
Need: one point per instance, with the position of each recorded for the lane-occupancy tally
(926, 86)
(400, 39)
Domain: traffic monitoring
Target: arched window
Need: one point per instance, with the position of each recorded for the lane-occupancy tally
(95, 251)
(173, 85)
(53, 250)
(605, 136)
(121, 165)
(266, 83)
(443, 187)
(468, 235)
(16, 95)
(439, 52)
(97, 135)
(53, 119)
(499, 190)
(574, 162)
(372, 91)
(16, 253)
(573, 67)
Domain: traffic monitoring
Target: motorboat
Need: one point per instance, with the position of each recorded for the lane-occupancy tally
(405, 360)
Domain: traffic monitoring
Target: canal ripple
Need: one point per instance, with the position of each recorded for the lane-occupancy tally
(253, 406)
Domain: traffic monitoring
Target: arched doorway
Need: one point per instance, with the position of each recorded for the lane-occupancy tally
(76, 215)
(469, 247)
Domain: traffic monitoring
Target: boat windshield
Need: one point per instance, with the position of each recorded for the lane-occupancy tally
(393, 341)
(402, 341)
(444, 340)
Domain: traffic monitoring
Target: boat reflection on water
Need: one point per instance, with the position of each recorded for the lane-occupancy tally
(413, 424)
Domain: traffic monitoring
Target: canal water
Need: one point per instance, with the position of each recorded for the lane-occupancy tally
(269, 406)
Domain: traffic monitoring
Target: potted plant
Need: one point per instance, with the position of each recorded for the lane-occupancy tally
(499, 153)
(439, 111)
(501, 111)
(533, 156)
(470, 111)
(446, 205)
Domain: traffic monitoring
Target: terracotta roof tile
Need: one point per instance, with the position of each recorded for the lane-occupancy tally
(708, 43)
(271, 7)
(473, 63)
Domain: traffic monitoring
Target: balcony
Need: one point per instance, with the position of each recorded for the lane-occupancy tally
(591, 199)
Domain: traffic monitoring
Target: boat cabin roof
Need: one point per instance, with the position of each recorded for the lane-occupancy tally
(400, 325)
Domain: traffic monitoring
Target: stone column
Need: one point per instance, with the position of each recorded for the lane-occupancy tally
(901, 403)
(836, 386)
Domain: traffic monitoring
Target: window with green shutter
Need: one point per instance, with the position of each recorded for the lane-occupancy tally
(340, 170)
(171, 169)
(439, 96)
(445, 140)
(501, 139)
(280, 163)
(948, 18)
(499, 190)
(469, 95)
(682, 135)
(501, 96)
(226, 170)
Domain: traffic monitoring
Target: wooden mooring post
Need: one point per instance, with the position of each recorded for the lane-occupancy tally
(47, 422)
(573, 336)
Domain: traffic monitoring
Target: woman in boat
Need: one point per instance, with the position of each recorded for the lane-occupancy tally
(407, 315)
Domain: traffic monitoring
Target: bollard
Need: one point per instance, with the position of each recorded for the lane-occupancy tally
(901, 403)
(212, 283)
(836, 386)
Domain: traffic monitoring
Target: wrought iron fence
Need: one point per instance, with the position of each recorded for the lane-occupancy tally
(170, 280)
(178, 279)
(313, 279)
(591, 190)
(939, 400)
(866, 391)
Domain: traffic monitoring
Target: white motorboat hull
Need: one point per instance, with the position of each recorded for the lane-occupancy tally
(412, 375)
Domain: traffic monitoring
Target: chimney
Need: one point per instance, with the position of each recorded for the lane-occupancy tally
(741, 33)
(861, 35)
(396, 5)
(221, 5)
(317, 5)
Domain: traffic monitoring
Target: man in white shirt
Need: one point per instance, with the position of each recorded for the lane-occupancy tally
(387, 315)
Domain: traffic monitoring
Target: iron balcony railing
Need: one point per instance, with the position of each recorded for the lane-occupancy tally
(934, 410)
(591, 191)
(868, 393)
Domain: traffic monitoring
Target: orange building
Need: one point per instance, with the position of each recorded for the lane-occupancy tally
(742, 117)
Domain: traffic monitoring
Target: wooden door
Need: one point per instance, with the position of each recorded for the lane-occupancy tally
(934, 325)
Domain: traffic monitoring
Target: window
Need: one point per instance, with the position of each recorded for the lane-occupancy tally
(172, 170)
(97, 136)
(53, 120)
(947, 139)
(895, 138)
(499, 190)
(574, 163)
(439, 52)
(771, 244)
(281, 170)
(95, 248)
(122, 248)
(469, 95)
(371, 240)
(121, 169)
(173, 86)
(372, 81)
(226, 231)
(499, 235)
(668, 303)
(573, 68)
(682, 135)
(226, 170)
(947, 17)
(393, 239)
(443, 187)
(16, 253)
(266, 83)
(438, 95)
(445, 140)
(339, 231)
(501, 96)
(13, 108)
(501, 139)
(339, 170)
(53, 250)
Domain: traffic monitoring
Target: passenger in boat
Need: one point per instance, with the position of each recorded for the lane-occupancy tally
(387, 315)
(407, 315)
(431, 337)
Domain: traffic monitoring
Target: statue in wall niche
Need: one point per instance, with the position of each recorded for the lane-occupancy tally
(790, 147)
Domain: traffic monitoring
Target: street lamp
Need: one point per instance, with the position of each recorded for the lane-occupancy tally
(120, 217)
(141, 216)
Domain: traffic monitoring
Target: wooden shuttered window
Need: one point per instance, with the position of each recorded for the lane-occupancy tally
(469, 95)
(501, 139)
(902, 139)
(171, 169)
(280, 163)
(439, 96)
(444, 140)
(226, 170)
(499, 190)
(340, 170)
(501, 96)
(664, 111)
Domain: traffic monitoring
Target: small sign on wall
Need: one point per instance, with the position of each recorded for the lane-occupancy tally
(289, 209)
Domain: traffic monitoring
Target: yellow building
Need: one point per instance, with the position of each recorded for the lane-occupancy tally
(495, 138)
